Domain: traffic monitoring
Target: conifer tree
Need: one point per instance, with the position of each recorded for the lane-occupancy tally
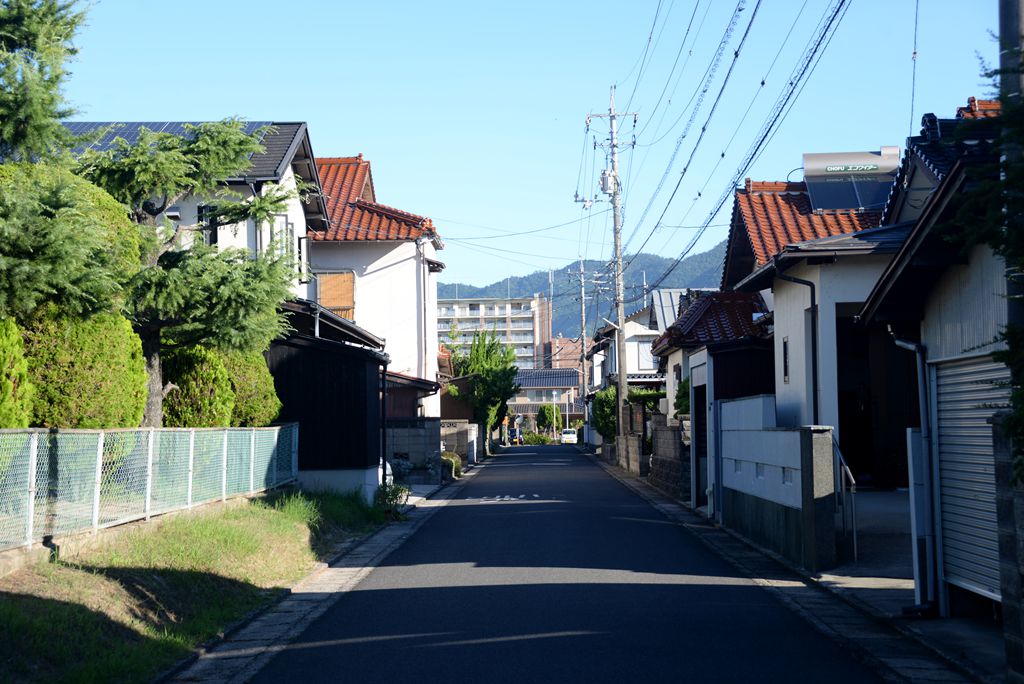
(188, 294)
(35, 44)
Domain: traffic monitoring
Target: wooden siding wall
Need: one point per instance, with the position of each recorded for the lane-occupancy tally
(967, 309)
(333, 392)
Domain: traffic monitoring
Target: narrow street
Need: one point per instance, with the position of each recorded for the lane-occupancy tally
(544, 568)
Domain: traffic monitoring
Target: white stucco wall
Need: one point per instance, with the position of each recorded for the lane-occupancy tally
(287, 227)
(395, 299)
(966, 310)
(671, 384)
(847, 281)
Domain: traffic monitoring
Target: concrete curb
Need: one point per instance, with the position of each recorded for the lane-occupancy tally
(867, 636)
(262, 650)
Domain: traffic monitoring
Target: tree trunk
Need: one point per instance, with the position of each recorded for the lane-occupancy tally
(153, 416)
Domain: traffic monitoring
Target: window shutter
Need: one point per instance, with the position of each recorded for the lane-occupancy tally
(336, 292)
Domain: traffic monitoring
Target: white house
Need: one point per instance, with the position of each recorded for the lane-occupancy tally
(377, 266)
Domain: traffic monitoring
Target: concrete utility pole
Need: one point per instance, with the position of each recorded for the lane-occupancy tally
(611, 186)
(583, 347)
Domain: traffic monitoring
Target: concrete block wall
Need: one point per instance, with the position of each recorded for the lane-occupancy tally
(418, 440)
(670, 462)
(630, 457)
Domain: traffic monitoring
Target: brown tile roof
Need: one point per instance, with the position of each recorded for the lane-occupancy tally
(979, 109)
(714, 317)
(775, 214)
(353, 210)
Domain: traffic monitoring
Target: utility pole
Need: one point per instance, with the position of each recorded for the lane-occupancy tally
(583, 348)
(610, 186)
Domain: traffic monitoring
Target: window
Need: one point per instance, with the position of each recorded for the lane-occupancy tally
(204, 212)
(785, 359)
(336, 292)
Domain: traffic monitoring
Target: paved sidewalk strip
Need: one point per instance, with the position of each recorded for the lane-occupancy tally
(240, 656)
(895, 656)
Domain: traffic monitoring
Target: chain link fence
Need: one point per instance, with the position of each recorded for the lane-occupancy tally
(58, 482)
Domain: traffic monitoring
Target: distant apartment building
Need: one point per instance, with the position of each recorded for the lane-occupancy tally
(564, 352)
(523, 323)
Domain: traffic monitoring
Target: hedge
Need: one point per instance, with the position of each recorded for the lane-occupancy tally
(256, 402)
(202, 396)
(16, 390)
(88, 373)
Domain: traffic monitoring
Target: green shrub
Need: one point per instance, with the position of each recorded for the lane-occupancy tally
(88, 373)
(682, 401)
(456, 463)
(202, 396)
(535, 439)
(102, 249)
(256, 402)
(649, 398)
(390, 499)
(16, 391)
(603, 416)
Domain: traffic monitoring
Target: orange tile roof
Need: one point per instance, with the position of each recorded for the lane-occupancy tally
(353, 210)
(776, 214)
(979, 109)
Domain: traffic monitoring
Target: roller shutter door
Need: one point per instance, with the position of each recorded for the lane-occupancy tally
(967, 394)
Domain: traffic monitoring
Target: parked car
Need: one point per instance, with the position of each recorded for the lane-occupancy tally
(568, 436)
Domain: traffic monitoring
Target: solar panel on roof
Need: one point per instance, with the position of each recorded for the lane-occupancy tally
(848, 192)
(129, 130)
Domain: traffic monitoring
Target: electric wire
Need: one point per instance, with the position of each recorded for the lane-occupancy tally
(913, 70)
(703, 130)
(783, 105)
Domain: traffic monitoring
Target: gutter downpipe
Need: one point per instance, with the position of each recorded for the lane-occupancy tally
(384, 425)
(919, 350)
(814, 332)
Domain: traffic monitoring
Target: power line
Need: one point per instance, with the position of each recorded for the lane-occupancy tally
(523, 232)
(709, 75)
(704, 128)
(783, 105)
(913, 71)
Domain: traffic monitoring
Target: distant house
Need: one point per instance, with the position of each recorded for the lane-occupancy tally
(546, 387)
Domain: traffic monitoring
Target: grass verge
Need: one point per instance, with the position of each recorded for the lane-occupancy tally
(130, 610)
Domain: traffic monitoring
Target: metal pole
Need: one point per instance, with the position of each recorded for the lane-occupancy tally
(252, 461)
(191, 462)
(224, 469)
(99, 480)
(148, 506)
(30, 507)
(620, 312)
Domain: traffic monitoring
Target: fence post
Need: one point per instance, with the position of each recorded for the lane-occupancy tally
(191, 461)
(149, 474)
(224, 469)
(33, 456)
(252, 461)
(99, 480)
(274, 456)
(295, 451)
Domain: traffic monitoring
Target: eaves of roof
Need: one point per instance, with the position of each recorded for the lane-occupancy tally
(881, 240)
(898, 272)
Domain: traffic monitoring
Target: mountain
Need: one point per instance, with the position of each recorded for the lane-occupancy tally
(697, 270)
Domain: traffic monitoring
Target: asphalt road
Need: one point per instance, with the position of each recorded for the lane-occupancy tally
(545, 569)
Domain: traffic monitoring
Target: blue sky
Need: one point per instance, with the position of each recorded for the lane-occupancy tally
(472, 113)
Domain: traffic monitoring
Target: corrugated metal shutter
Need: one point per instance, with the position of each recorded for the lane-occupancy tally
(968, 392)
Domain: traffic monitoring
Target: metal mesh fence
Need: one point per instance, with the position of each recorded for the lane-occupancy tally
(123, 483)
(54, 483)
(14, 491)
